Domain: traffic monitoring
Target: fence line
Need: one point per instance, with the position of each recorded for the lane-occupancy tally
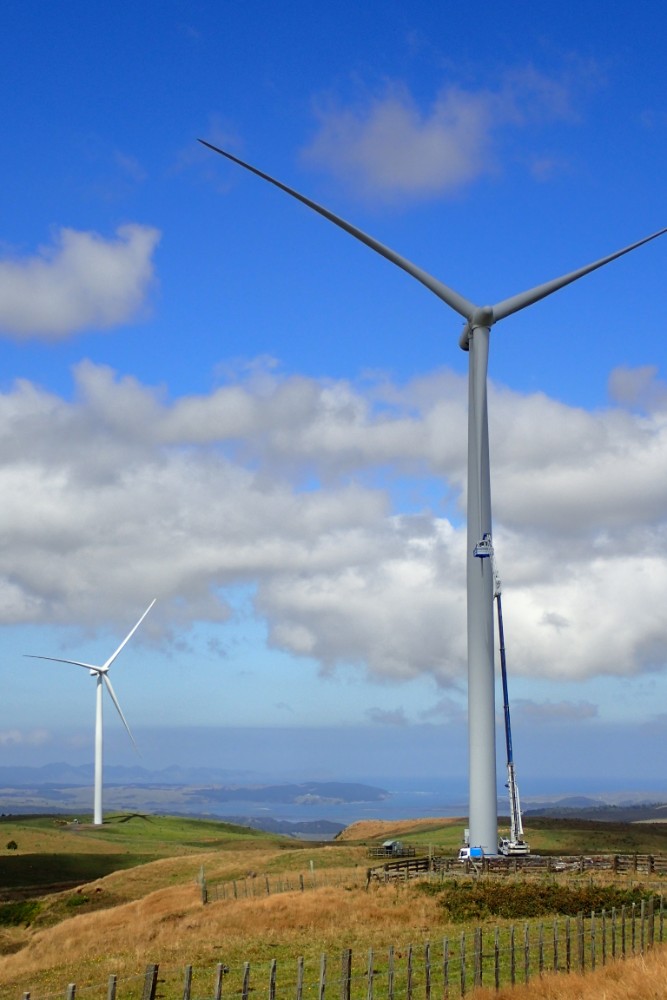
(435, 867)
(492, 957)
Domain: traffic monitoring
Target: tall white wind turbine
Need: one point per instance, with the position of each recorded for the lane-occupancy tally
(101, 675)
(483, 821)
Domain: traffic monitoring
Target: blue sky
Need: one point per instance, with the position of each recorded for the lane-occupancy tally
(211, 396)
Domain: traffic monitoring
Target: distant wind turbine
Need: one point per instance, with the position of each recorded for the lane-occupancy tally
(101, 673)
(483, 821)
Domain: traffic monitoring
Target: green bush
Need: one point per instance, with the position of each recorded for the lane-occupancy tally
(480, 899)
(22, 912)
(78, 900)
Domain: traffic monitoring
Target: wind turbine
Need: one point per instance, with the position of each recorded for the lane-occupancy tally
(101, 674)
(483, 821)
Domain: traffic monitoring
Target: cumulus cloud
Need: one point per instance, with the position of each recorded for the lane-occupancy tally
(269, 482)
(392, 146)
(81, 281)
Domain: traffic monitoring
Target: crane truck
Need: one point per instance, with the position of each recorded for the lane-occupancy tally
(514, 845)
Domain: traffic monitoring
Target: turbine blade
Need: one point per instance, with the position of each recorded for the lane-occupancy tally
(57, 659)
(517, 302)
(457, 302)
(127, 638)
(118, 708)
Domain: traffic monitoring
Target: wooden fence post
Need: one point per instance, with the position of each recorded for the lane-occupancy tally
(526, 952)
(71, 991)
(299, 978)
(445, 967)
(187, 982)
(217, 986)
(272, 979)
(26, 995)
(111, 988)
(390, 973)
(580, 942)
(346, 974)
(369, 976)
(150, 982)
(642, 927)
(633, 925)
(661, 916)
(603, 935)
(592, 940)
(555, 946)
(427, 971)
(568, 945)
(512, 957)
(651, 922)
(245, 989)
(408, 983)
(323, 977)
(302, 886)
(268, 887)
(496, 959)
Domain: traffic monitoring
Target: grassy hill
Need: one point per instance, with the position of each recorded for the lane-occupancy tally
(134, 896)
(546, 835)
(56, 851)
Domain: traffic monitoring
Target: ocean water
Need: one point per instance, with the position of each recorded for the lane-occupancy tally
(403, 802)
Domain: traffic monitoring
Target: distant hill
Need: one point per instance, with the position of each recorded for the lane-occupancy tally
(581, 808)
(62, 788)
(324, 828)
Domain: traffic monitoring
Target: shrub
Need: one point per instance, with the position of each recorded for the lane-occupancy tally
(22, 912)
(479, 899)
(12, 846)
(78, 900)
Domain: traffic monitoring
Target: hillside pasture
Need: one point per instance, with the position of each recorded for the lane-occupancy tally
(151, 910)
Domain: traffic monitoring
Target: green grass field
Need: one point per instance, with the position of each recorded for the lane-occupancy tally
(54, 851)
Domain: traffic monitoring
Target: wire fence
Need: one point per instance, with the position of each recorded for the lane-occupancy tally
(450, 968)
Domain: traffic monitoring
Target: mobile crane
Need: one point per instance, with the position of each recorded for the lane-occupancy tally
(514, 845)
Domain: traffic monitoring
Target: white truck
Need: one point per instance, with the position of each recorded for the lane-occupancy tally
(470, 853)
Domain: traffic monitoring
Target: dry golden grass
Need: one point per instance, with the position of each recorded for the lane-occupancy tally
(170, 926)
(376, 829)
(643, 977)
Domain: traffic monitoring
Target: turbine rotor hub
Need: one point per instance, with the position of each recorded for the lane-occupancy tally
(482, 317)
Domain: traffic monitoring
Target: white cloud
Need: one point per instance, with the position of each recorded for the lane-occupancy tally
(121, 495)
(392, 146)
(83, 280)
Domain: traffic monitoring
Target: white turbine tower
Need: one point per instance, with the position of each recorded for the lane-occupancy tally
(101, 674)
(483, 820)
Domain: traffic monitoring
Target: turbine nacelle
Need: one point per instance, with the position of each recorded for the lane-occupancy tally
(483, 316)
